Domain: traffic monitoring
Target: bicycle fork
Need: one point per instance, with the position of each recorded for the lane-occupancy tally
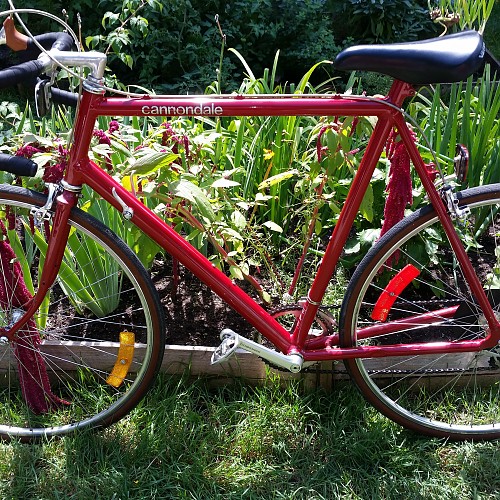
(66, 200)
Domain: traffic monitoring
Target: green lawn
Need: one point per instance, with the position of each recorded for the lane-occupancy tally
(190, 441)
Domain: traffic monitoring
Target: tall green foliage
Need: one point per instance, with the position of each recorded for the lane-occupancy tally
(464, 14)
(182, 48)
(467, 113)
(385, 21)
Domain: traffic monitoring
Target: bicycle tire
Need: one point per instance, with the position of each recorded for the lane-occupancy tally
(101, 333)
(456, 396)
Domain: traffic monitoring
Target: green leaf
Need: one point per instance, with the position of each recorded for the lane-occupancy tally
(273, 226)
(111, 17)
(245, 65)
(151, 162)
(236, 272)
(238, 219)
(366, 207)
(189, 191)
(353, 246)
(70, 282)
(224, 183)
(127, 59)
(276, 179)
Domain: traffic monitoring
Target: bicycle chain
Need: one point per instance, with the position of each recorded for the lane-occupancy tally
(435, 371)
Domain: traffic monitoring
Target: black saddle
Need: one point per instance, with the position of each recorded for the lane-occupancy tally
(451, 58)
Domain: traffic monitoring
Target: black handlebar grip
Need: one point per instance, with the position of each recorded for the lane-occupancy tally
(29, 70)
(22, 72)
(18, 165)
(64, 97)
(58, 41)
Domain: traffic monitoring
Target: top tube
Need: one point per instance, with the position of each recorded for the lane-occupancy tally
(242, 105)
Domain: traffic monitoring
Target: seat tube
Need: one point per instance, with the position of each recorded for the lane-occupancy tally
(398, 92)
(342, 229)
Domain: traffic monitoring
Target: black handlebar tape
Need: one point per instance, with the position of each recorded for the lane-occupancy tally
(64, 97)
(29, 70)
(18, 165)
(58, 41)
(20, 73)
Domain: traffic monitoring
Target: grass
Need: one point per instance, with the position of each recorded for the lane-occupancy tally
(188, 440)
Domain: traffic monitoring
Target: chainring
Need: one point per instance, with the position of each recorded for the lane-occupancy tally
(324, 323)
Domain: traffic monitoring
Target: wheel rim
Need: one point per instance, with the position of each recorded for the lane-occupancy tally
(74, 371)
(410, 394)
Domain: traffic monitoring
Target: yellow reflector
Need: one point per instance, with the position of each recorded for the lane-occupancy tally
(124, 359)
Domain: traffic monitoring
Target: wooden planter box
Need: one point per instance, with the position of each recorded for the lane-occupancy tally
(196, 361)
(177, 360)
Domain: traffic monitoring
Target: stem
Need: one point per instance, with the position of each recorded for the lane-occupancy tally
(221, 59)
(307, 244)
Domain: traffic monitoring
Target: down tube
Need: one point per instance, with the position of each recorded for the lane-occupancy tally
(187, 255)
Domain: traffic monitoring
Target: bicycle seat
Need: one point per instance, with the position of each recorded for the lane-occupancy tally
(447, 59)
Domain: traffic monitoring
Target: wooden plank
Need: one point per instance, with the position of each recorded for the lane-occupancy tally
(67, 355)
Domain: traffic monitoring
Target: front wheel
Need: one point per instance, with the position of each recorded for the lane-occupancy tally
(411, 287)
(93, 349)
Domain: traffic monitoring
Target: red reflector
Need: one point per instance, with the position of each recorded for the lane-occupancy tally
(392, 291)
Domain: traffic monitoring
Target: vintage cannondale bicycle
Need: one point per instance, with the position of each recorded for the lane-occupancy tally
(430, 361)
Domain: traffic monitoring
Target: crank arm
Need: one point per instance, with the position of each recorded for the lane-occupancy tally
(231, 341)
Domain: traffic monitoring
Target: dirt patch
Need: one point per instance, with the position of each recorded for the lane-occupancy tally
(194, 314)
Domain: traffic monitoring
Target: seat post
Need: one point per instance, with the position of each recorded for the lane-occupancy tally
(400, 91)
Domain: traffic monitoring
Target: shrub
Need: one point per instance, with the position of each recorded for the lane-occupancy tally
(175, 46)
(387, 20)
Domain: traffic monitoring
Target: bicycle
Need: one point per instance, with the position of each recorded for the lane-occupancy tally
(432, 366)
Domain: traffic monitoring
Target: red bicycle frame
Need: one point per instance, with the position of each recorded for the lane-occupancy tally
(83, 171)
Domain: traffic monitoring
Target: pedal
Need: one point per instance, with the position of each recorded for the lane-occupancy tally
(230, 342)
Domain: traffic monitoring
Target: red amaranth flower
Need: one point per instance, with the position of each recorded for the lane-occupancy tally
(399, 185)
(170, 136)
(54, 173)
(104, 139)
(28, 150)
(101, 136)
(165, 138)
(11, 218)
(431, 171)
(114, 126)
(33, 376)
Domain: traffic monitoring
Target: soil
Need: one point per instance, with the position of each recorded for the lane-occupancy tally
(194, 314)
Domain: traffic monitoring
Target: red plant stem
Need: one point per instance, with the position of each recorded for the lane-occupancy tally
(307, 244)
(32, 372)
(194, 222)
(175, 276)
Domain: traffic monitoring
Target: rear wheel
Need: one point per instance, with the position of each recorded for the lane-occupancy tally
(94, 347)
(411, 279)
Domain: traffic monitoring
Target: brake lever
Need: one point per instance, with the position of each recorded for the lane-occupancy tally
(43, 102)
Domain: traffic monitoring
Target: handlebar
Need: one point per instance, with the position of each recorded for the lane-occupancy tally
(17, 165)
(64, 97)
(29, 70)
